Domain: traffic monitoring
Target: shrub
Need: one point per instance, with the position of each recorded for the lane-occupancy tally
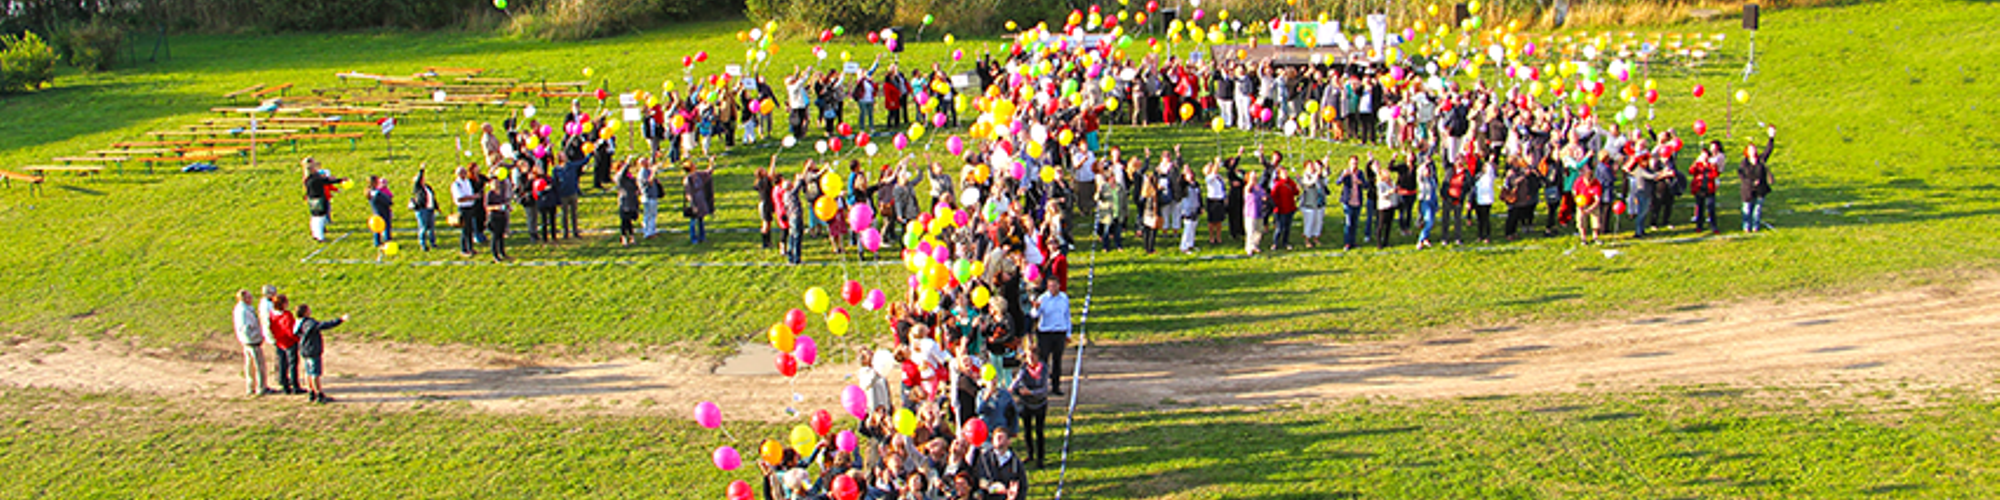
(94, 46)
(26, 63)
(583, 19)
(859, 15)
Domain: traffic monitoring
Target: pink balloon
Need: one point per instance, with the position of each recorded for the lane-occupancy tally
(924, 247)
(871, 239)
(955, 145)
(726, 458)
(940, 254)
(861, 216)
(923, 98)
(914, 284)
(1264, 115)
(846, 441)
(1020, 171)
(937, 120)
(902, 142)
(1033, 274)
(708, 415)
(855, 401)
(957, 54)
(875, 301)
(961, 218)
(806, 349)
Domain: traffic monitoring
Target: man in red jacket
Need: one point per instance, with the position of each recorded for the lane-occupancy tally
(287, 341)
(1285, 204)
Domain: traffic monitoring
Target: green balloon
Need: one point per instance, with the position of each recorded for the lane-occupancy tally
(500, 4)
(928, 19)
(839, 31)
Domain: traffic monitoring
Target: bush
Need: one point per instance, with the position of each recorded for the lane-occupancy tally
(857, 15)
(26, 63)
(583, 19)
(94, 46)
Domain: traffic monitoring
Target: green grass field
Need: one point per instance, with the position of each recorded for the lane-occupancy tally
(1884, 166)
(1880, 167)
(1674, 443)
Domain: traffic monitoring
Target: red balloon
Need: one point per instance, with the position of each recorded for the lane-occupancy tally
(846, 129)
(833, 144)
(874, 37)
(1618, 207)
(787, 365)
(1153, 6)
(796, 320)
(1699, 90)
(687, 60)
(1700, 127)
(825, 36)
(1652, 96)
(862, 140)
(701, 56)
(851, 292)
(974, 431)
(740, 490)
(844, 488)
(602, 95)
(1095, 9)
(822, 422)
(1597, 89)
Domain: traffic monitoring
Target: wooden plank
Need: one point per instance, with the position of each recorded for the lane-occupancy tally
(501, 81)
(175, 159)
(358, 75)
(259, 140)
(212, 149)
(148, 144)
(88, 159)
(125, 152)
(63, 168)
(349, 135)
(454, 71)
(244, 90)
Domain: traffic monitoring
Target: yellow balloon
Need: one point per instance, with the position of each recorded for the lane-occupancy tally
(391, 248)
(906, 421)
(803, 439)
(916, 132)
(1048, 174)
(816, 298)
(1215, 124)
(782, 338)
(1743, 97)
(980, 297)
(837, 322)
(376, 224)
(1110, 104)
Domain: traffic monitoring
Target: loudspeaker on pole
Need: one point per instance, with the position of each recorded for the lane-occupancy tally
(1750, 16)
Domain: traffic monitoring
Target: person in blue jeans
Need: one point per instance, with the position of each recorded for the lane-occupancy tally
(1353, 193)
(1755, 175)
(423, 201)
(698, 190)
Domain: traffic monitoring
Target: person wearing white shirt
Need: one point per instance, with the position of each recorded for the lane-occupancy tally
(1215, 192)
(250, 333)
(1052, 328)
(1086, 180)
(467, 197)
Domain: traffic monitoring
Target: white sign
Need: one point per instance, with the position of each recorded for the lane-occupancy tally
(851, 68)
(628, 99)
(733, 70)
(388, 124)
(632, 115)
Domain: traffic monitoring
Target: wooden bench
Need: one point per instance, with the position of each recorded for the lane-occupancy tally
(454, 71)
(353, 139)
(213, 149)
(71, 160)
(274, 139)
(344, 75)
(77, 169)
(280, 90)
(34, 181)
(244, 90)
(175, 159)
(130, 151)
(150, 144)
(501, 81)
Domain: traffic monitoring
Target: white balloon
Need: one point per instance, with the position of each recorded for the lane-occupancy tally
(528, 111)
(885, 363)
(871, 149)
(821, 146)
(756, 33)
(790, 141)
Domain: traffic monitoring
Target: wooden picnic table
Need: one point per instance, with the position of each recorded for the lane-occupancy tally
(501, 81)
(80, 169)
(280, 90)
(241, 140)
(193, 133)
(125, 152)
(148, 144)
(454, 71)
(68, 160)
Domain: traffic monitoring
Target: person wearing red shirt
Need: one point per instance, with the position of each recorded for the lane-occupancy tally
(1589, 220)
(287, 342)
(1701, 182)
(1284, 205)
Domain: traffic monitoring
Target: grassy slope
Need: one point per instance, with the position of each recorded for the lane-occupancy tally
(1879, 171)
(1702, 444)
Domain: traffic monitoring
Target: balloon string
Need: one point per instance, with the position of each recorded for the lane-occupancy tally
(1076, 376)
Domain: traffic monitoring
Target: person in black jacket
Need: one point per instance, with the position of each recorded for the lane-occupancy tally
(312, 345)
(999, 472)
(1756, 176)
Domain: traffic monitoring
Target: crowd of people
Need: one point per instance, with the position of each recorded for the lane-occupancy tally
(986, 230)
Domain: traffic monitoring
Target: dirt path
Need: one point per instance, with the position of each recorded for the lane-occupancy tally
(1929, 337)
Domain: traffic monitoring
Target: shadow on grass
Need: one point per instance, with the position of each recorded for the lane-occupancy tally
(1265, 459)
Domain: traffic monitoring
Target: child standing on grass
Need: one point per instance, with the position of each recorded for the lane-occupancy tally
(311, 346)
